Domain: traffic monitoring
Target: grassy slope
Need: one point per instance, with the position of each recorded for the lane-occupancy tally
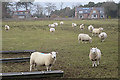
(73, 57)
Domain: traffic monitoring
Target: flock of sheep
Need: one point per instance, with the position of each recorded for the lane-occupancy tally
(48, 59)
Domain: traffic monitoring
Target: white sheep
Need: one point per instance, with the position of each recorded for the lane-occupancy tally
(56, 24)
(90, 28)
(95, 55)
(74, 24)
(51, 25)
(7, 27)
(96, 31)
(84, 37)
(61, 22)
(52, 29)
(102, 36)
(101, 28)
(42, 59)
(82, 26)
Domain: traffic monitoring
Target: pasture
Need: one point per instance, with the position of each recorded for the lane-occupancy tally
(72, 57)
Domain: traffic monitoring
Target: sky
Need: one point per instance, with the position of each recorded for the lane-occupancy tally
(70, 3)
(82, 1)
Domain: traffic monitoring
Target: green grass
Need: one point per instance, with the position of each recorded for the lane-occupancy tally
(73, 57)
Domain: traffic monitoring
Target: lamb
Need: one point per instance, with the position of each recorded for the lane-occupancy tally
(95, 55)
(7, 27)
(102, 36)
(61, 22)
(42, 59)
(96, 31)
(52, 29)
(101, 28)
(82, 26)
(90, 28)
(51, 25)
(74, 24)
(56, 24)
(84, 37)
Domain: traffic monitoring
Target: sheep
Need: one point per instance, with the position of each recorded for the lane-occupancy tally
(95, 55)
(51, 25)
(42, 59)
(7, 27)
(102, 36)
(90, 28)
(84, 37)
(52, 29)
(101, 28)
(74, 24)
(82, 26)
(61, 22)
(96, 31)
(56, 24)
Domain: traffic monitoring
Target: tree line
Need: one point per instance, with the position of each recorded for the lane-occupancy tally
(49, 10)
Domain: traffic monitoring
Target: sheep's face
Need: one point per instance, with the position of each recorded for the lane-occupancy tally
(93, 50)
(53, 55)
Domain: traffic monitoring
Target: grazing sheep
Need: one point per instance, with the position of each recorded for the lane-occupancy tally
(56, 24)
(90, 28)
(7, 27)
(96, 31)
(82, 26)
(84, 37)
(42, 59)
(95, 55)
(101, 28)
(51, 25)
(52, 29)
(102, 36)
(61, 22)
(74, 24)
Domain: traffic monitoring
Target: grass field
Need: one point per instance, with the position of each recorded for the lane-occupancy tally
(72, 57)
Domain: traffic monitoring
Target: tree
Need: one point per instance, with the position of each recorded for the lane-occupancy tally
(61, 5)
(24, 4)
(50, 7)
(110, 9)
(6, 9)
(90, 4)
(39, 10)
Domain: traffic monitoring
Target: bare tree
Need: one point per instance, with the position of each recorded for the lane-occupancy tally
(39, 9)
(61, 5)
(50, 7)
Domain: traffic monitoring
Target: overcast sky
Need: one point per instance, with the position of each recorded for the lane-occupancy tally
(82, 1)
(70, 3)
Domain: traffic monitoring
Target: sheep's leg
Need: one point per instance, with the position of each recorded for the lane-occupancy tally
(98, 63)
(47, 67)
(92, 63)
(79, 41)
(50, 68)
(92, 34)
(35, 66)
(95, 63)
(31, 67)
(82, 41)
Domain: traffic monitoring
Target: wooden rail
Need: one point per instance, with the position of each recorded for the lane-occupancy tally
(30, 75)
(15, 59)
(18, 51)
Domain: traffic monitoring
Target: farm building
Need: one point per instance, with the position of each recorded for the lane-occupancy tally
(89, 12)
(22, 14)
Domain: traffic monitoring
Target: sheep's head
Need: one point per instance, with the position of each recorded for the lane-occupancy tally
(54, 54)
(93, 50)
